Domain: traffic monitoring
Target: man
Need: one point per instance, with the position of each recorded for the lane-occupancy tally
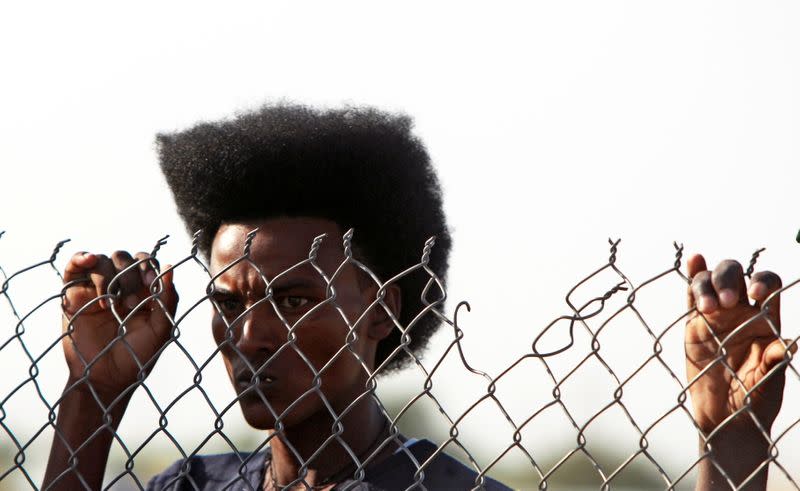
(302, 332)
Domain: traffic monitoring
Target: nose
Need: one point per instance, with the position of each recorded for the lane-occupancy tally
(261, 330)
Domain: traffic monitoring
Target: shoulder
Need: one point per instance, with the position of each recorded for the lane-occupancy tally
(443, 472)
(222, 471)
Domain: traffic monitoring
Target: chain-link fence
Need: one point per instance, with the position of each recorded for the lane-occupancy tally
(609, 377)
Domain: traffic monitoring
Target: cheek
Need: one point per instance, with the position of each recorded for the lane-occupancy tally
(223, 332)
(319, 340)
(218, 328)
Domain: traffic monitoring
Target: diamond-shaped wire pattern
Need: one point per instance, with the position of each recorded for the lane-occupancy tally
(593, 321)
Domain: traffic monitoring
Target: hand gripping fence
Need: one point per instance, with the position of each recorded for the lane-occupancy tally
(581, 332)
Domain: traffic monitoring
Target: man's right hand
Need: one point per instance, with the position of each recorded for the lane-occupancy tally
(95, 347)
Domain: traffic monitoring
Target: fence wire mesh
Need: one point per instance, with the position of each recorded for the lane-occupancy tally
(566, 349)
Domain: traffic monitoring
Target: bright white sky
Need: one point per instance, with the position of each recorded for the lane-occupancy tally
(554, 125)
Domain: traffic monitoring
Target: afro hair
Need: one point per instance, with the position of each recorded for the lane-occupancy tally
(357, 166)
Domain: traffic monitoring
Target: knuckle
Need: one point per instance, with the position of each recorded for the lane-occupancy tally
(72, 294)
(103, 266)
(701, 280)
(120, 256)
(730, 263)
(729, 266)
(121, 278)
(142, 256)
(769, 278)
(151, 262)
(727, 274)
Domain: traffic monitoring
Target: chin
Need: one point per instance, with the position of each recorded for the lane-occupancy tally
(260, 421)
(257, 414)
(260, 417)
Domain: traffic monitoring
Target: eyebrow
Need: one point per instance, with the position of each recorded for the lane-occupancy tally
(278, 286)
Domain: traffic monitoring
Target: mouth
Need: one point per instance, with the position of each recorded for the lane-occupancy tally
(246, 378)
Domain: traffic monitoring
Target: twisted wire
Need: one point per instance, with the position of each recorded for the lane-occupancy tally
(590, 316)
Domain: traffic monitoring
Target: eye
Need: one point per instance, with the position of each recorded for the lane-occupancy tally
(229, 305)
(291, 302)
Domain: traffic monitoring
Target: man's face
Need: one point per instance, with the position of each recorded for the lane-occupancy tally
(259, 337)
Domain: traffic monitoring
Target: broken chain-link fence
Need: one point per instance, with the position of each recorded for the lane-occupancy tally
(608, 336)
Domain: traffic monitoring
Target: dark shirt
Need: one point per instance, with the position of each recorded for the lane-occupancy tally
(246, 472)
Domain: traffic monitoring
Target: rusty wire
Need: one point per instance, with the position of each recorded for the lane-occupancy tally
(581, 317)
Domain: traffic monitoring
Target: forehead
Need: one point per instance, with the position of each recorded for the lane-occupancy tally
(279, 244)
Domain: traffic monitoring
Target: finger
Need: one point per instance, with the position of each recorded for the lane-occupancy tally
(130, 282)
(703, 294)
(164, 304)
(79, 265)
(101, 275)
(762, 285)
(148, 269)
(728, 281)
(776, 353)
(695, 264)
(83, 291)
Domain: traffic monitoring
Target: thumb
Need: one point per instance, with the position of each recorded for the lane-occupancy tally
(164, 303)
(776, 352)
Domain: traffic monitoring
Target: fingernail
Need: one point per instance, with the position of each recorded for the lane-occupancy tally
(756, 291)
(149, 278)
(131, 302)
(706, 304)
(727, 298)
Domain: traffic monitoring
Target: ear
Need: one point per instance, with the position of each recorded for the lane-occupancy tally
(381, 324)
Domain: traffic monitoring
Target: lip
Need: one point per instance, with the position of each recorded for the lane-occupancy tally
(244, 378)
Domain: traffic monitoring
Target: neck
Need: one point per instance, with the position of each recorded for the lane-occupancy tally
(364, 429)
